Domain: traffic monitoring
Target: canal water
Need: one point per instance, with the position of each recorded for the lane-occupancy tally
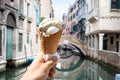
(70, 68)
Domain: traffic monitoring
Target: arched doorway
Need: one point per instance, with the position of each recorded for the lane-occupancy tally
(11, 23)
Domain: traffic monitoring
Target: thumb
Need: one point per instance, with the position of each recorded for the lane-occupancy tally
(52, 62)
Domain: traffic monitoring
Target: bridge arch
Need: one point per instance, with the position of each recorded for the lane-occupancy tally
(81, 46)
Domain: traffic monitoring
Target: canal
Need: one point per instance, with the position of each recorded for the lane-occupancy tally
(70, 68)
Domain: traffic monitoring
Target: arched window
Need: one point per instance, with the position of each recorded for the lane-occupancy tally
(11, 20)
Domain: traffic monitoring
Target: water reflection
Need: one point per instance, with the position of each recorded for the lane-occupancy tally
(83, 70)
(72, 67)
(67, 64)
(13, 74)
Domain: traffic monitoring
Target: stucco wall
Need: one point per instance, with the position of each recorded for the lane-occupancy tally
(46, 8)
(110, 24)
(107, 19)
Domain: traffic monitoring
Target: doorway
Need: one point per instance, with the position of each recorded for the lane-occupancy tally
(105, 44)
(11, 24)
(9, 43)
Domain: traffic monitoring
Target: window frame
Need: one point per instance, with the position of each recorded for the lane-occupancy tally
(20, 42)
(20, 7)
(28, 38)
(36, 39)
(115, 5)
(111, 40)
(28, 9)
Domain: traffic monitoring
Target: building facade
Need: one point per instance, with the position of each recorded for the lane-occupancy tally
(70, 22)
(81, 19)
(103, 26)
(19, 37)
(47, 9)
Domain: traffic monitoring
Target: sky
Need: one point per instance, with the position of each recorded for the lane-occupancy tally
(60, 7)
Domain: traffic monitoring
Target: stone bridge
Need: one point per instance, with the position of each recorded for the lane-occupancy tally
(81, 46)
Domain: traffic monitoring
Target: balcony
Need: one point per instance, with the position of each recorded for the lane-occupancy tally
(81, 17)
(22, 16)
(93, 15)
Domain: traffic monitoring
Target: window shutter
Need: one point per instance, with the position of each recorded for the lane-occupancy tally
(20, 7)
(20, 41)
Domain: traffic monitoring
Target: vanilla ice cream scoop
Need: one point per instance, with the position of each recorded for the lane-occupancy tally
(52, 30)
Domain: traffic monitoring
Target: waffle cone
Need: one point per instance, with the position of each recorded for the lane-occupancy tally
(49, 43)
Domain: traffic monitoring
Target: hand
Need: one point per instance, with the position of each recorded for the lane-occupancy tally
(40, 70)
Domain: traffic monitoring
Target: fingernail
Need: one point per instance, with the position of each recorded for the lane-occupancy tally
(54, 58)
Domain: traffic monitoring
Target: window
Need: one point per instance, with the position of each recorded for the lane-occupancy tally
(20, 42)
(89, 42)
(28, 10)
(71, 10)
(111, 40)
(73, 15)
(28, 38)
(71, 18)
(117, 46)
(36, 38)
(115, 4)
(12, 0)
(0, 42)
(74, 6)
(117, 35)
(20, 7)
(50, 15)
(75, 28)
(77, 13)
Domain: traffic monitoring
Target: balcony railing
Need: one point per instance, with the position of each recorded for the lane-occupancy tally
(93, 15)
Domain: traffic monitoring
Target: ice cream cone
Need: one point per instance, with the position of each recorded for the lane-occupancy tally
(49, 43)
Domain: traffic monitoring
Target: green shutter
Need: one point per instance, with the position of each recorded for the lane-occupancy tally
(118, 4)
(0, 42)
(27, 10)
(20, 7)
(20, 41)
(9, 43)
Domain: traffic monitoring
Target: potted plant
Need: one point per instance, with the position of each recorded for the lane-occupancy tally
(29, 19)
